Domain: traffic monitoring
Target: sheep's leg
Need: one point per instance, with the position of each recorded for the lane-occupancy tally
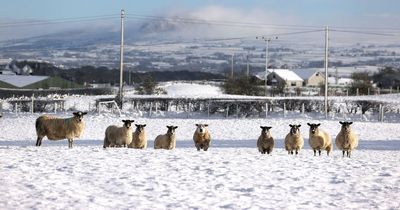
(319, 151)
(343, 153)
(39, 141)
(70, 141)
(348, 153)
(205, 146)
(297, 151)
(315, 152)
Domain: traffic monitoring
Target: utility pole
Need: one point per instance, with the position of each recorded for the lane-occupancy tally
(267, 40)
(326, 70)
(233, 54)
(248, 65)
(121, 65)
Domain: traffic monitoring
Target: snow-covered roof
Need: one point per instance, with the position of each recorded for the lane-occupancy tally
(341, 81)
(306, 73)
(20, 80)
(287, 75)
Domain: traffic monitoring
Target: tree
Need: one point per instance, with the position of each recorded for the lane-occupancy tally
(387, 77)
(361, 82)
(242, 85)
(147, 87)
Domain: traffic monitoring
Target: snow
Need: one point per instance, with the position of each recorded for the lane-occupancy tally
(190, 89)
(20, 80)
(231, 175)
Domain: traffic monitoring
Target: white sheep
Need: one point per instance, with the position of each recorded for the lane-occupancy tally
(166, 141)
(265, 142)
(118, 136)
(58, 128)
(201, 137)
(319, 139)
(139, 139)
(346, 140)
(294, 140)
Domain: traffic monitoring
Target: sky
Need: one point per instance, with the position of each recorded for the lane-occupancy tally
(343, 13)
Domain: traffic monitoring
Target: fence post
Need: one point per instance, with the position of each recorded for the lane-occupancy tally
(32, 103)
(357, 92)
(284, 109)
(368, 91)
(16, 108)
(383, 113)
(55, 108)
(266, 110)
(302, 109)
(227, 111)
(151, 108)
(347, 92)
(208, 109)
(237, 110)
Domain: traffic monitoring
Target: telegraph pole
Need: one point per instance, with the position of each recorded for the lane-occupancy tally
(233, 54)
(248, 65)
(267, 40)
(121, 64)
(326, 70)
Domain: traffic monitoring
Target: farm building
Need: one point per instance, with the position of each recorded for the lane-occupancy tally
(311, 77)
(34, 82)
(284, 77)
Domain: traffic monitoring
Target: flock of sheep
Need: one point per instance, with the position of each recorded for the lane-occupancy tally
(115, 136)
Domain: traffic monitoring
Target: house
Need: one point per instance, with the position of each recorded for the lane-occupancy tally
(284, 77)
(34, 82)
(311, 77)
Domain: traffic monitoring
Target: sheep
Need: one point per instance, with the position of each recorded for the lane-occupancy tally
(139, 139)
(346, 140)
(118, 136)
(201, 137)
(294, 140)
(58, 129)
(166, 141)
(265, 142)
(319, 140)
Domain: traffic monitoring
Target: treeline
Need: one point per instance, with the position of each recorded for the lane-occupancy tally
(91, 74)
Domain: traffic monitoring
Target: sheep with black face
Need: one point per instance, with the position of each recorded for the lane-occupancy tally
(60, 128)
(166, 141)
(139, 139)
(346, 140)
(319, 139)
(294, 140)
(116, 136)
(265, 142)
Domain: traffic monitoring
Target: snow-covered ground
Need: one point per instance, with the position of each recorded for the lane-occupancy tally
(231, 175)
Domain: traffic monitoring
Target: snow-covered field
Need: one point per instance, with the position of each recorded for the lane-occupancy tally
(231, 175)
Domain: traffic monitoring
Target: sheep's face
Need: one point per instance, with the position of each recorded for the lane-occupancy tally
(313, 127)
(79, 115)
(171, 129)
(265, 130)
(128, 123)
(201, 128)
(346, 126)
(140, 128)
(295, 129)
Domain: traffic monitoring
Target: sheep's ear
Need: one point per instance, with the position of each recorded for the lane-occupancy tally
(131, 121)
(309, 124)
(269, 128)
(318, 124)
(206, 125)
(341, 122)
(75, 113)
(137, 125)
(299, 126)
(290, 125)
(350, 123)
(168, 126)
(175, 127)
(124, 121)
(197, 125)
(84, 113)
(262, 127)
(144, 125)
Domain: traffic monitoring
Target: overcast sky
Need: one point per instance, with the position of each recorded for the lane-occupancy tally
(349, 13)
